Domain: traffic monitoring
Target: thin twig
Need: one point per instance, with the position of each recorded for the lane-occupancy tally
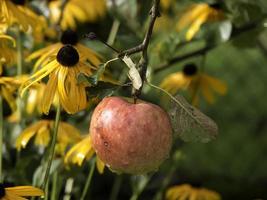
(236, 32)
(154, 13)
(143, 62)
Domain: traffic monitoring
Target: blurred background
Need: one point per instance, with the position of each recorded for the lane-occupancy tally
(228, 42)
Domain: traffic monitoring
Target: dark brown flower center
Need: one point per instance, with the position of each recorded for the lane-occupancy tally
(69, 37)
(19, 2)
(216, 5)
(190, 69)
(2, 190)
(68, 56)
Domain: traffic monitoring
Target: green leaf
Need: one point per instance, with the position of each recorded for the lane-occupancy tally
(93, 80)
(190, 124)
(263, 41)
(39, 173)
(102, 89)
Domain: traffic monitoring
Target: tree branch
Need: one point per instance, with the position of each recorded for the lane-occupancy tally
(236, 32)
(143, 62)
(154, 13)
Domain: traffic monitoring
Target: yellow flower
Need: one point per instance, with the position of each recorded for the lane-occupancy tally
(186, 191)
(19, 192)
(34, 98)
(67, 37)
(81, 151)
(33, 102)
(15, 12)
(8, 86)
(197, 15)
(67, 134)
(77, 10)
(7, 54)
(63, 70)
(40, 33)
(193, 81)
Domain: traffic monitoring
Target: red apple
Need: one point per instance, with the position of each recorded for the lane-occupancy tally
(130, 138)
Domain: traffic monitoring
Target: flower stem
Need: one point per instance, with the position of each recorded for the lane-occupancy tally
(116, 188)
(140, 186)
(1, 136)
(54, 186)
(89, 179)
(46, 191)
(113, 32)
(52, 148)
(165, 182)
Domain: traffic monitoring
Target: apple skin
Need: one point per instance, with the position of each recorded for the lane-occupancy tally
(130, 138)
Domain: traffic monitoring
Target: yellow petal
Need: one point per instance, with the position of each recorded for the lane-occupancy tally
(216, 84)
(100, 165)
(42, 137)
(25, 191)
(191, 14)
(79, 152)
(9, 38)
(39, 75)
(174, 82)
(28, 133)
(194, 28)
(48, 96)
(11, 196)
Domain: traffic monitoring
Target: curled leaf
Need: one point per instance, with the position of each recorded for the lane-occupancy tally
(189, 123)
(133, 73)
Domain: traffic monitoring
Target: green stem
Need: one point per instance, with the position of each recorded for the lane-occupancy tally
(113, 32)
(1, 136)
(89, 179)
(54, 186)
(116, 188)
(52, 148)
(140, 187)
(46, 191)
(166, 181)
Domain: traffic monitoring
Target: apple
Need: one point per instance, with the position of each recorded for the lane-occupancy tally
(130, 137)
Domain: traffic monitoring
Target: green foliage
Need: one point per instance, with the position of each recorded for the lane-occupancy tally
(234, 164)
